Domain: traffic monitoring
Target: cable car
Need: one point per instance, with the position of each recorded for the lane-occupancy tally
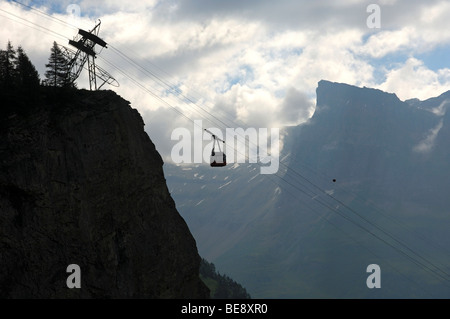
(217, 159)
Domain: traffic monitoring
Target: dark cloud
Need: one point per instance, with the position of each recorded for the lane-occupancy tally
(287, 14)
(296, 107)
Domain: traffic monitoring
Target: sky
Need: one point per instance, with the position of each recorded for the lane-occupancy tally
(255, 62)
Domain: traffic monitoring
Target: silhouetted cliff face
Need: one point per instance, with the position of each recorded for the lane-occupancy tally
(82, 183)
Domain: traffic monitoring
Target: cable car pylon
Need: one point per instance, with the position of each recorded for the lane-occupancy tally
(85, 42)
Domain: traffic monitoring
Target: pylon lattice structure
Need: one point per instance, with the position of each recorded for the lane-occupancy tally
(85, 43)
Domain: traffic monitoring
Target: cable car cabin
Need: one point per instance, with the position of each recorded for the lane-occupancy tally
(218, 159)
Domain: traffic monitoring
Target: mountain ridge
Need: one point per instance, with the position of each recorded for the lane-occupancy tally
(303, 242)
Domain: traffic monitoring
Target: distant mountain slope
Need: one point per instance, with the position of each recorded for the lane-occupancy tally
(389, 204)
(220, 286)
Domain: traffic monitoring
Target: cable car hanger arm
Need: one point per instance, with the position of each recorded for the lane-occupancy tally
(214, 136)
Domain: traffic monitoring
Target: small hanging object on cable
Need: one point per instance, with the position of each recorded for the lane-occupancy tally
(217, 159)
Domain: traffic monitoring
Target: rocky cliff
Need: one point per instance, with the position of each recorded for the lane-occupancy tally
(82, 183)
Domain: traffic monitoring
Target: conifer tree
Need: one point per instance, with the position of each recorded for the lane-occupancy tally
(27, 77)
(57, 71)
(7, 66)
(19, 82)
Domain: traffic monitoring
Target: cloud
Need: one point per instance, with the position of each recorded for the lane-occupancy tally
(295, 108)
(247, 63)
(427, 144)
(441, 109)
(387, 42)
(252, 107)
(413, 79)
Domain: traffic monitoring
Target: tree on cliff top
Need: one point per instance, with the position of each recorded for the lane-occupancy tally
(27, 77)
(19, 81)
(8, 61)
(57, 68)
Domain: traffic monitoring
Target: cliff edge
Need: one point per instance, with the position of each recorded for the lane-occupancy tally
(82, 183)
